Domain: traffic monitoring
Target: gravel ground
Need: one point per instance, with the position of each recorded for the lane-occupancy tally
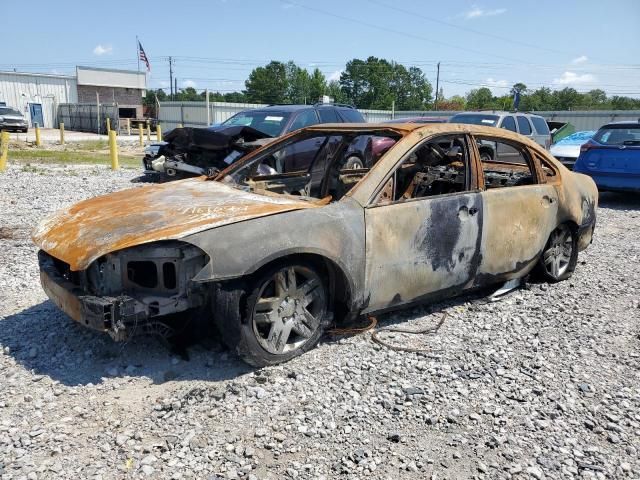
(542, 384)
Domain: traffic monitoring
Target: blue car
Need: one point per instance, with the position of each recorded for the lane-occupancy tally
(612, 157)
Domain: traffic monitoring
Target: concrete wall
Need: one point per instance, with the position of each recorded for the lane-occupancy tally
(18, 90)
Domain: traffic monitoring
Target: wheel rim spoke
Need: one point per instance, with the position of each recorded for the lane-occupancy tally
(279, 334)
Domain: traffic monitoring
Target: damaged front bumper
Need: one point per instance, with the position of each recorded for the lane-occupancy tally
(128, 292)
(119, 316)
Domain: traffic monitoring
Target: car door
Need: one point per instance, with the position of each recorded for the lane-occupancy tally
(423, 227)
(303, 152)
(519, 212)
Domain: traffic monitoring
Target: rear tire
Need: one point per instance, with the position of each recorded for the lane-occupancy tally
(560, 255)
(274, 316)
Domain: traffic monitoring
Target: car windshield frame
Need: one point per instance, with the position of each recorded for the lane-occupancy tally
(483, 119)
(9, 111)
(284, 118)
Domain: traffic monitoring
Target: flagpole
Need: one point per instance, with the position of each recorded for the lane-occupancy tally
(138, 52)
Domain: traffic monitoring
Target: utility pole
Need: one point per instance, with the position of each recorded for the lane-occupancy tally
(435, 106)
(171, 77)
(175, 86)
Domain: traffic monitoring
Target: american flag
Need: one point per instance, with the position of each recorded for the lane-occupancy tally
(143, 56)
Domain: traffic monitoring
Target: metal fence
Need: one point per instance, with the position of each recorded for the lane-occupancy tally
(88, 117)
(194, 114)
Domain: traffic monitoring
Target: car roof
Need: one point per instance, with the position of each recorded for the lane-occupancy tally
(498, 112)
(624, 123)
(425, 128)
(418, 120)
(280, 108)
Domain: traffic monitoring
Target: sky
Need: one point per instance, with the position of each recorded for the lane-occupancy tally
(215, 44)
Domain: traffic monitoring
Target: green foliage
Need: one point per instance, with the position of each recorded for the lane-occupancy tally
(268, 84)
(376, 83)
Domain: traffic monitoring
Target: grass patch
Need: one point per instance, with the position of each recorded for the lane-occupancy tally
(70, 156)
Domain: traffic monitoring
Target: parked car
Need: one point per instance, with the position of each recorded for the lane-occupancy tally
(527, 124)
(271, 259)
(612, 157)
(567, 150)
(200, 151)
(12, 120)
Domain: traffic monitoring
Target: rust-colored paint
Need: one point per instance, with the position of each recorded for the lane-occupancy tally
(63, 298)
(92, 228)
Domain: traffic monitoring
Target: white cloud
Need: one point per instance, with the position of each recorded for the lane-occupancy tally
(189, 83)
(572, 78)
(103, 50)
(580, 59)
(477, 12)
(497, 86)
(163, 84)
(335, 76)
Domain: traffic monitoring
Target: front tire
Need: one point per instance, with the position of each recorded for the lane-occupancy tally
(283, 315)
(560, 255)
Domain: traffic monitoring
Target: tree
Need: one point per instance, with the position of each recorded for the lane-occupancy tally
(519, 87)
(334, 90)
(267, 84)
(149, 100)
(298, 83)
(479, 99)
(566, 99)
(376, 83)
(317, 85)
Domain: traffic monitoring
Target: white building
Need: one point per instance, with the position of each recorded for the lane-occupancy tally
(38, 95)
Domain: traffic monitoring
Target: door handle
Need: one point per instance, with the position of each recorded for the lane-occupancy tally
(548, 199)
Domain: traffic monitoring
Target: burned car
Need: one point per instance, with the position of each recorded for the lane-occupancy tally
(207, 151)
(271, 258)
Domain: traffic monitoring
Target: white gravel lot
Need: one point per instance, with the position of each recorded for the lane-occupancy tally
(542, 384)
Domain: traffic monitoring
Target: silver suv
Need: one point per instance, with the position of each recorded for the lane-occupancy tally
(532, 126)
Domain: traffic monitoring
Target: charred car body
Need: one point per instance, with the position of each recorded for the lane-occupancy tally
(273, 258)
(207, 151)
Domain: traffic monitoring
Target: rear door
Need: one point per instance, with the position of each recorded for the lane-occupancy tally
(615, 150)
(519, 213)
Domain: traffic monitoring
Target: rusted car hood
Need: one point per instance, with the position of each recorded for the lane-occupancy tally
(87, 230)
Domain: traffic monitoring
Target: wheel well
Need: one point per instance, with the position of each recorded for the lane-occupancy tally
(339, 286)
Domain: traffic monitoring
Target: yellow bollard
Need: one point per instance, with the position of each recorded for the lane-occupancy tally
(38, 143)
(148, 131)
(128, 126)
(61, 133)
(113, 150)
(4, 149)
(140, 134)
(108, 125)
(159, 133)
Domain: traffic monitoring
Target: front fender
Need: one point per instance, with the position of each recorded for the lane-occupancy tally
(334, 232)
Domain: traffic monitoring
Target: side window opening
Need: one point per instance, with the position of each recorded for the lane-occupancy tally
(523, 125)
(328, 115)
(548, 171)
(436, 167)
(509, 123)
(504, 164)
(304, 119)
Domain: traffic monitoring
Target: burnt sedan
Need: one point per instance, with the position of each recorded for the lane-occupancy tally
(272, 257)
